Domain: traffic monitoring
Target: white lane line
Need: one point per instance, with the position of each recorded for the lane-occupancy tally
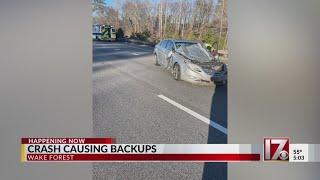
(136, 54)
(194, 114)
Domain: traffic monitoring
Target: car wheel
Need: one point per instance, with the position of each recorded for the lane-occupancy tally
(156, 61)
(176, 71)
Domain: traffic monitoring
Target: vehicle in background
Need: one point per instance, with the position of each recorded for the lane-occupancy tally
(103, 32)
(190, 61)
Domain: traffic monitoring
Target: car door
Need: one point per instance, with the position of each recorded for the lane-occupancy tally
(161, 52)
(168, 53)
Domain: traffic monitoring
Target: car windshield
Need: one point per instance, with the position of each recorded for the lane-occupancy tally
(178, 44)
(194, 51)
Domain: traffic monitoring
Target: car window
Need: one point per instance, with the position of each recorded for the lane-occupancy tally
(178, 44)
(163, 43)
(169, 45)
(160, 43)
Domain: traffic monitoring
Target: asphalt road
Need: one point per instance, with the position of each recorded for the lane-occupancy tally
(127, 106)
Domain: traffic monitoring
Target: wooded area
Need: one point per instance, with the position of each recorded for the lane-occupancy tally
(150, 20)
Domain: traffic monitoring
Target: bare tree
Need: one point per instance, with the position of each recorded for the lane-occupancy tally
(184, 19)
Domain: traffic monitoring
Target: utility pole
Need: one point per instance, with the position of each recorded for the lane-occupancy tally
(165, 18)
(160, 19)
(225, 41)
(179, 20)
(221, 21)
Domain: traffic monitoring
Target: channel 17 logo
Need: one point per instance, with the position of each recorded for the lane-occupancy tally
(276, 149)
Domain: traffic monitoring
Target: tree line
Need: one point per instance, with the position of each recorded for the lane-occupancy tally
(204, 20)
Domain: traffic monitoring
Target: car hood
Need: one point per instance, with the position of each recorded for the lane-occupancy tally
(195, 52)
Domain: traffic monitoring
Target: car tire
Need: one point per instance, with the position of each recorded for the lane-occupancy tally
(176, 72)
(156, 61)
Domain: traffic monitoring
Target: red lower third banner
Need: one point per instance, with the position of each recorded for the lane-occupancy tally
(67, 140)
(144, 157)
(104, 149)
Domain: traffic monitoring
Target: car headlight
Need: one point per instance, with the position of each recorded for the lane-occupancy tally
(194, 67)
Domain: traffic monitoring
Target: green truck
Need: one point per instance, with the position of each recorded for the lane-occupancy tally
(103, 32)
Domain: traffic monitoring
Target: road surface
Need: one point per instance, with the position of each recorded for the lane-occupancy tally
(135, 101)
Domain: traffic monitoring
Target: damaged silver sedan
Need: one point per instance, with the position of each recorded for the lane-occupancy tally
(189, 61)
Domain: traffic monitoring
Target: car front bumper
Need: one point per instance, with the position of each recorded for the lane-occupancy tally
(196, 78)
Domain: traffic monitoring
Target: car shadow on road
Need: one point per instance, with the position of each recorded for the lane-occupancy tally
(218, 114)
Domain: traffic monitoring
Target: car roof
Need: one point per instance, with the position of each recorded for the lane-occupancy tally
(175, 40)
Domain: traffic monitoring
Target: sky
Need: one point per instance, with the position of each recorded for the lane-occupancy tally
(109, 2)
